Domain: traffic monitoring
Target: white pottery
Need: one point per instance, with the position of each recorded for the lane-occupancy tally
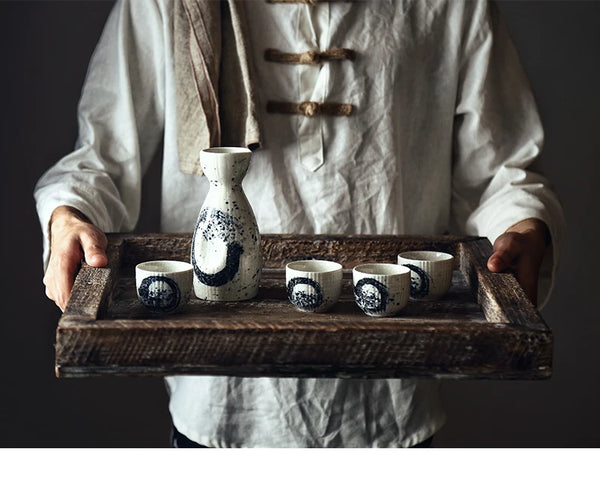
(163, 286)
(431, 273)
(226, 252)
(381, 289)
(313, 285)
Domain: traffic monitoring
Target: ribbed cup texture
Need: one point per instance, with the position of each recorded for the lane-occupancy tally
(164, 291)
(431, 273)
(380, 294)
(314, 291)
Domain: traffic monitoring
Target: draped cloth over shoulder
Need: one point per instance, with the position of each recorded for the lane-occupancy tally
(216, 102)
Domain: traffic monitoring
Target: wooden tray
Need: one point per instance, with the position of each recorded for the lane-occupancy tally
(483, 328)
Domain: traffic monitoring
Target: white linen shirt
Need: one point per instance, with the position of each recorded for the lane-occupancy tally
(442, 139)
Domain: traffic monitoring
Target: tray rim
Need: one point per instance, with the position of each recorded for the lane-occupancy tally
(504, 304)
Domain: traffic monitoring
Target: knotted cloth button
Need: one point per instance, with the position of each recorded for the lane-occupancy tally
(311, 3)
(310, 108)
(310, 57)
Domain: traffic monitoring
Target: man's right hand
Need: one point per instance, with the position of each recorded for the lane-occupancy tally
(72, 239)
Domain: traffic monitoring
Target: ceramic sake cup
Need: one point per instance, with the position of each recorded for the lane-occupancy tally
(313, 285)
(430, 273)
(164, 286)
(381, 289)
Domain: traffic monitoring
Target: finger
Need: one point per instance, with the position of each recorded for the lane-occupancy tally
(54, 292)
(49, 280)
(507, 250)
(66, 267)
(51, 297)
(94, 245)
(499, 261)
(49, 293)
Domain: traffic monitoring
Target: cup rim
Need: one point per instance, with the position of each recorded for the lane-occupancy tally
(380, 269)
(426, 256)
(330, 266)
(158, 266)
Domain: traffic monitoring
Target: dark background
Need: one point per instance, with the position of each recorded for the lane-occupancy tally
(44, 51)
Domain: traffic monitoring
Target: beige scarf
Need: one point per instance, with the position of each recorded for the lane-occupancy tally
(216, 103)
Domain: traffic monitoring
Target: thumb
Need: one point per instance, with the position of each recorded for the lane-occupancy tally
(499, 261)
(94, 245)
(507, 249)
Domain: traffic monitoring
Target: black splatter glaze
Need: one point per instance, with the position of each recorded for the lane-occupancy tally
(165, 300)
(302, 299)
(419, 287)
(223, 227)
(220, 278)
(368, 301)
(220, 225)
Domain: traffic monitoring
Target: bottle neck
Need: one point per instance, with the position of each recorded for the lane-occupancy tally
(225, 186)
(220, 193)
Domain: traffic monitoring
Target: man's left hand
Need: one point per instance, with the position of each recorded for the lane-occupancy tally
(521, 249)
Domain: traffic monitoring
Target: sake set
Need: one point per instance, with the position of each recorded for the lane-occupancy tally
(107, 331)
(226, 259)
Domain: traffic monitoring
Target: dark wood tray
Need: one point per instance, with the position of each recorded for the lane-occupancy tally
(484, 328)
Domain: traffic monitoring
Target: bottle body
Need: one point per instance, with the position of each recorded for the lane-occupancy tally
(226, 252)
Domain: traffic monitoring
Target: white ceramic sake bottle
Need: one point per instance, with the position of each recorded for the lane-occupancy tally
(226, 252)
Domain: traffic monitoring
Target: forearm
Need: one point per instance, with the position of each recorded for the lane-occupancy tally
(121, 118)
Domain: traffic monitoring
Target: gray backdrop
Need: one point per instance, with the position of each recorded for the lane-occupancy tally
(45, 48)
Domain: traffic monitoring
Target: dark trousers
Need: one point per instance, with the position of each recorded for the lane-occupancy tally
(179, 440)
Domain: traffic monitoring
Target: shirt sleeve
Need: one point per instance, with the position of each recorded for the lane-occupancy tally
(497, 141)
(121, 120)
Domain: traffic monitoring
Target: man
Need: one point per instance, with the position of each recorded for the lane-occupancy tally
(375, 117)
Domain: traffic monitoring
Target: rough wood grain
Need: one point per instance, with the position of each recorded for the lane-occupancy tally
(280, 249)
(499, 294)
(483, 328)
(93, 286)
(453, 349)
(349, 250)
